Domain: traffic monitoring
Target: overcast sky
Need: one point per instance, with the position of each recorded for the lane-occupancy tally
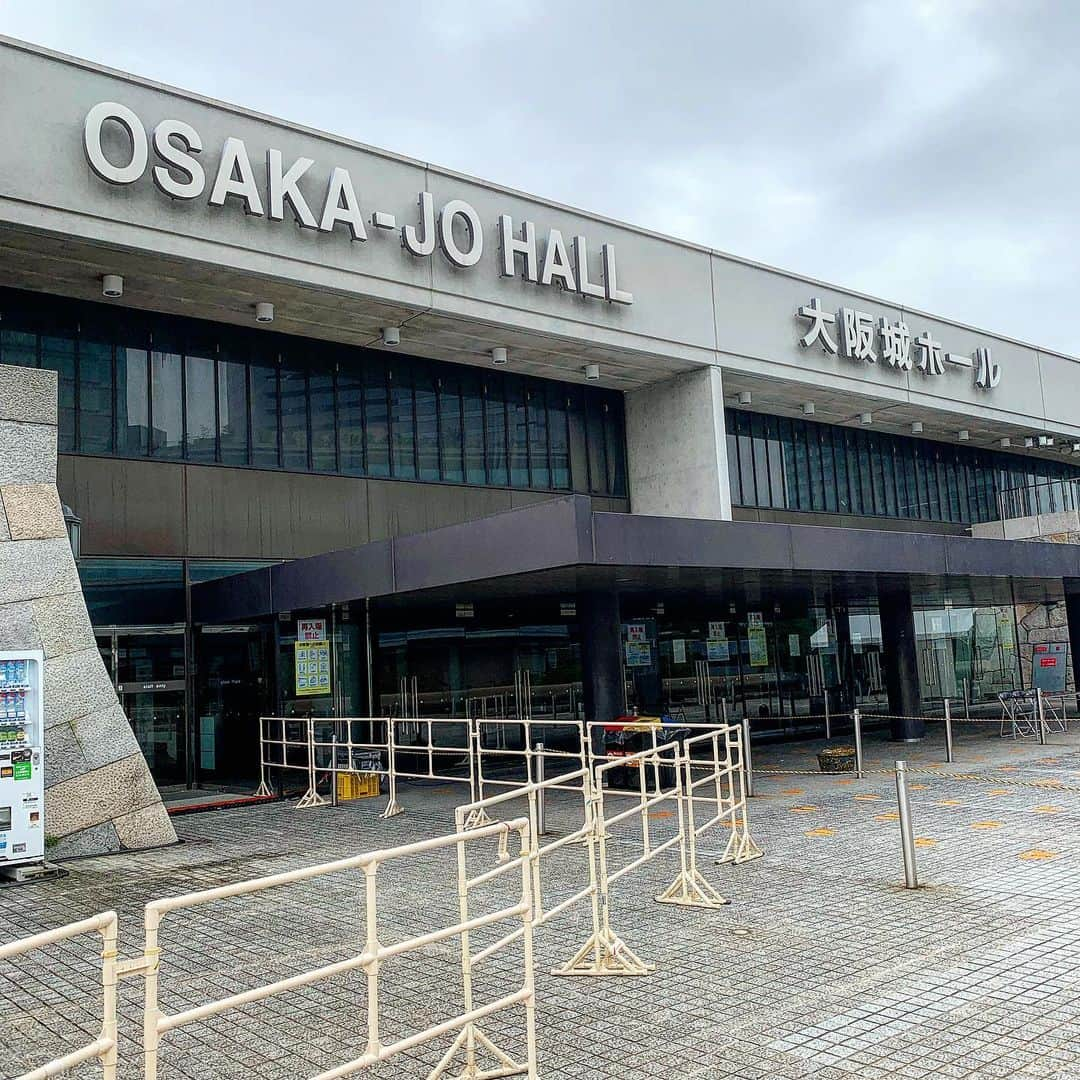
(922, 150)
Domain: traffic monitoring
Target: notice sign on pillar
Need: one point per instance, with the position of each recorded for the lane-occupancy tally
(312, 668)
(310, 629)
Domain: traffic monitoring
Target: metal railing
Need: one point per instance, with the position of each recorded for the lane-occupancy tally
(157, 1023)
(104, 1047)
(1044, 497)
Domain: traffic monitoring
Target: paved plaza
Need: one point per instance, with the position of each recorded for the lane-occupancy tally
(822, 966)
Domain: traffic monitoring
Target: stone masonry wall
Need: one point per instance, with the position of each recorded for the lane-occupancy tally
(99, 793)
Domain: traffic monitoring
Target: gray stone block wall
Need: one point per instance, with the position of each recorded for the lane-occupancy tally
(99, 793)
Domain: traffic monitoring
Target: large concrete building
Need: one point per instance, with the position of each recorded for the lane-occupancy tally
(520, 458)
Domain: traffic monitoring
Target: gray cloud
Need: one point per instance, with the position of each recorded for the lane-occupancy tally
(921, 150)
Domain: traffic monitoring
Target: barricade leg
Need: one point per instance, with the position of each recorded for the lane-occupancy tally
(604, 953)
(311, 797)
(392, 806)
(471, 1039)
(479, 817)
(690, 889)
(740, 846)
(263, 789)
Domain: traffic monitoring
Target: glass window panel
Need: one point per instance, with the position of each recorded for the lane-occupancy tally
(453, 464)
(579, 457)
(166, 404)
(594, 430)
(802, 466)
(734, 473)
(889, 464)
(264, 414)
(559, 437)
(540, 473)
(132, 402)
(323, 423)
(615, 446)
(58, 354)
(402, 425)
(518, 430)
(786, 432)
(472, 408)
(745, 440)
(350, 403)
(495, 433)
(775, 454)
(18, 347)
(294, 415)
(817, 479)
(95, 397)
(201, 422)
(866, 474)
(828, 469)
(427, 426)
(840, 464)
(376, 417)
(232, 405)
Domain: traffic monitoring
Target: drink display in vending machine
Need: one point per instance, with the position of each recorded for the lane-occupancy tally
(22, 759)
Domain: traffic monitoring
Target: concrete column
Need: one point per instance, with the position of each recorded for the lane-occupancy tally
(676, 446)
(601, 655)
(901, 661)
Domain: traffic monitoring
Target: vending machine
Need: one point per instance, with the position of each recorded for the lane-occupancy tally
(22, 759)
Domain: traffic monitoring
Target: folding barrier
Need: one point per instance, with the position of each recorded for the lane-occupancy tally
(103, 1048)
(470, 1037)
(582, 835)
(563, 742)
(604, 952)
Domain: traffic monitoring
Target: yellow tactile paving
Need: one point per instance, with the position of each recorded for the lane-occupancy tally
(986, 824)
(820, 832)
(1046, 809)
(792, 791)
(1037, 855)
(1000, 791)
(918, 787)
(892, 816)
(866, 798)
(948, 802)
(805, 809)
(924, 841)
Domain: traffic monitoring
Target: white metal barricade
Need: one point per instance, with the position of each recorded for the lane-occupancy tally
(470, 1038)
(414, 738)
(493, 746)
(582, 836)
(104, 1047)
(285, 742)
(604, 952)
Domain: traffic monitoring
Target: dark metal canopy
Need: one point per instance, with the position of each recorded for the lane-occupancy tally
(563, 546)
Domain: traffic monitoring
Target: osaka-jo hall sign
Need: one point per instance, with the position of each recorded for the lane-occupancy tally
(182, 170)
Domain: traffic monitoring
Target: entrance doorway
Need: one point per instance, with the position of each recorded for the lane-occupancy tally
(148, 668)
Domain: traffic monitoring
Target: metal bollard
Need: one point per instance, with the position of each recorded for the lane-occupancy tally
(907, 836)
(856, 716)
(748, 758)
(948, 733)
(967, 700)
(1041, 716)
(828, 717)
(541, 824)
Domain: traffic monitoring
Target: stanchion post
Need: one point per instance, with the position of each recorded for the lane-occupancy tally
(828, 717)
(948, 733)
(541, 823)
(1041, 716)
(967, 700)
(857, 718)
(907, 836)
(747, 758)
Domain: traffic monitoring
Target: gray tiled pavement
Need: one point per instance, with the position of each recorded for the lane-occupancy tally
(822, 966)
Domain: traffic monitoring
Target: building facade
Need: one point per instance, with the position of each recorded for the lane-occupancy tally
(511, 457)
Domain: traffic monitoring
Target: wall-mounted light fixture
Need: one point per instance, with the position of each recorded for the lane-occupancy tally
(264, 312)
(499, 356)
(745, 397)
(808, 408)
(391, 336)
(866, 418)
(916, 427)
(112, 285)
(592, 372)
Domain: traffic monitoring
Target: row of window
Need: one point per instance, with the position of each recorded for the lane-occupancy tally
(793, 464)
(135, 385)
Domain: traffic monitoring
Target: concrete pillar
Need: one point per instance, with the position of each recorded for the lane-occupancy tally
(901, 661)
(676, 447)
(601, 655)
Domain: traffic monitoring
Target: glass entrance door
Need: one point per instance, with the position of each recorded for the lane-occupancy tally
(149, 669)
